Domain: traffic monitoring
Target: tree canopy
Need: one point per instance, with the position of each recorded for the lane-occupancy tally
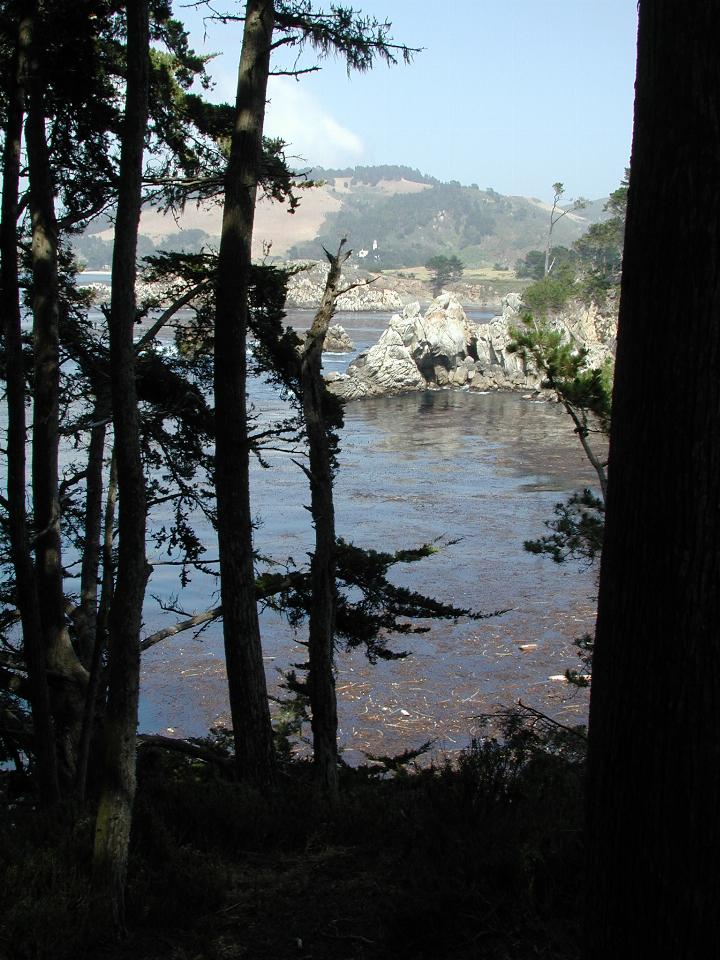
(116, 441)
(443, 270)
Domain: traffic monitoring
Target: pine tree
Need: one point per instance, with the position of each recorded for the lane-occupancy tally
(268, 24)
(443, 271)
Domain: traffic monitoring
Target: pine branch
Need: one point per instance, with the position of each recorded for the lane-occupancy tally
(186, 747)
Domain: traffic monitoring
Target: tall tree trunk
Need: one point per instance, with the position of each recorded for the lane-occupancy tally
(321, 677)
(44, 735)
(654, 786)
(86, 615)
(107, 586)
(112, 832)
(241, 631)
(97, 685)
(68, 690)
(91, 639)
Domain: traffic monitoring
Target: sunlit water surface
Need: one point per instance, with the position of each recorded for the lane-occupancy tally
(484, 470)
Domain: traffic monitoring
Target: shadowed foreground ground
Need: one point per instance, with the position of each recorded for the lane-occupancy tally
(481, 859)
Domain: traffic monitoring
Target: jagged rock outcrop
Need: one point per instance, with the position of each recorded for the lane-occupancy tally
(337, 340)
(592, 328)
(442, 348)
(584, 324)
(416, 351)
(386, 368)
(100, 291)
(500, 369)
(305, 291)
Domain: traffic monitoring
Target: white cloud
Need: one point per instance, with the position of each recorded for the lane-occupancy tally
(309, 130)
(295, 116)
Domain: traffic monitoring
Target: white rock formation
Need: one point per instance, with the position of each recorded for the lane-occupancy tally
(443, 337)
(305, 291)
(386, 368)
(337, 340)
(442, 348)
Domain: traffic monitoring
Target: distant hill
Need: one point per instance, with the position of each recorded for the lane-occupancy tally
(401, 218)
(393, 216)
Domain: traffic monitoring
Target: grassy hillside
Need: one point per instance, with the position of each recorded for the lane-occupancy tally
(394, 217)
(404, 227)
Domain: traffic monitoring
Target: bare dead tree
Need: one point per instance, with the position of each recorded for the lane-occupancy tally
(321, 643)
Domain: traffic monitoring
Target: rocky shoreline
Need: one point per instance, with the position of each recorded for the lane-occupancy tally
(367, 292)
(438, 349)
(305, 290)
(442, 349)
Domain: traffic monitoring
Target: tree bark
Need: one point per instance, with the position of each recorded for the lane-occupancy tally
(107, 586)
(86, 616)
(654, 782)
(68, 693)
(112, 831)
(321, 676)
(243, 651)
(92, 622)
(27, 594)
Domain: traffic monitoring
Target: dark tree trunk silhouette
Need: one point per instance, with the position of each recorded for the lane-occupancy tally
(68, 691)
(241, 631)
(321, 678)
(92, 618)
(86, 614)
(27, 594)
(115, 809)
(654, 786)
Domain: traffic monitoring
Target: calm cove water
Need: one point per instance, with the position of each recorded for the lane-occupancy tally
(484, 469)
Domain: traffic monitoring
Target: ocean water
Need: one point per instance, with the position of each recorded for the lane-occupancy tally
(482, 470)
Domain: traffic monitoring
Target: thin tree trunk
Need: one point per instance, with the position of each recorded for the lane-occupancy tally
(241, 631)
(94, 619)
(654, 783)
(112, 832)
(581, 430)
(548, 242)
(86, 616)
(107, 587)
(546, 270)
(68, 692)
(321, 677)
(44, 735)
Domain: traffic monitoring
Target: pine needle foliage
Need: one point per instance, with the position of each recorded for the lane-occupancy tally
(576, 530)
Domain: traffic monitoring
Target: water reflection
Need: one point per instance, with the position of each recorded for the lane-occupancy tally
(458, 430)
(484, 470)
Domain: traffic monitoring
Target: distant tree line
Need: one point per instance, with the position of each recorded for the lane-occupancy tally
(93, 253)
(409, 228)
(372, 175)
(589, 270)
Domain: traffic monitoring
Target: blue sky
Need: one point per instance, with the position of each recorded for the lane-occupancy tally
(512, 95)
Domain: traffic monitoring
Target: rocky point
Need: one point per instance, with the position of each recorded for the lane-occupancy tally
(442, 348)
